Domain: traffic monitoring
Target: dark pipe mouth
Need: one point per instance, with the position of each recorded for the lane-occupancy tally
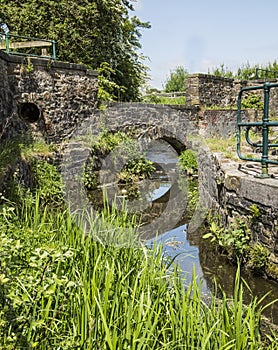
(29, 112)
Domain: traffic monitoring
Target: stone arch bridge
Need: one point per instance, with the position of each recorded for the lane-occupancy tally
(147, 123)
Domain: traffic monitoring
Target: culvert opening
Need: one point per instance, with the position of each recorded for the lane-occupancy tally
(29, 112)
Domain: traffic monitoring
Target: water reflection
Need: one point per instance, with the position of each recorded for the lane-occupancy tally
(211, 268)
(190, 250)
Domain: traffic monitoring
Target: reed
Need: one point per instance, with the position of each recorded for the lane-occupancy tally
(61, 288)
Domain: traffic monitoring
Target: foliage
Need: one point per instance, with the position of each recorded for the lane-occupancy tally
(258, 258)
(48, 183)
(227, 146)
(188, 160)
(136, 169)
(247, 71)
(108, 90)
(25, 148)
(26, 160)
(155, 98)
(177, 80)
(222, 71)
(190, 188)
(252, 100)
(234, 241)
(90, 177)
(254, 211)
(135, 166)
(62, 289)
(107, 141)
(90, 32)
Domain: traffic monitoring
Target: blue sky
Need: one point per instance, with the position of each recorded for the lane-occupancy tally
(203, 34)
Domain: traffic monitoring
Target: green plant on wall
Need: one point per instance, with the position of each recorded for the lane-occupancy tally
(136, 166)
(258, 258)
(136, 169)
(254, 211)
(188, 161)
(253, 101)
(234, 240)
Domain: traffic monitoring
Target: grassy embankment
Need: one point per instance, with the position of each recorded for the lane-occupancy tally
(60, 288)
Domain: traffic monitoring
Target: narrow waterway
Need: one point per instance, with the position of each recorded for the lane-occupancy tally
(190, 251)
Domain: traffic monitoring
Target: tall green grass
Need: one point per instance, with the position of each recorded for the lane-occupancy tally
(61, 288)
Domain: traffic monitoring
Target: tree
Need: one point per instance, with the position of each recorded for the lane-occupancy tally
(87, 31)
(176, 80)
(248, 72)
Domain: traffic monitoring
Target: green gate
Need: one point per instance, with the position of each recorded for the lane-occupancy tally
(264, 145)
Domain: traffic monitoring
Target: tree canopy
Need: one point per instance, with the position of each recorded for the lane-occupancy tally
(176, 80)
(247, 71)
(99, 33)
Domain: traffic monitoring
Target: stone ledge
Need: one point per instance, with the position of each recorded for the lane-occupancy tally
(261, 190)
(47, 63)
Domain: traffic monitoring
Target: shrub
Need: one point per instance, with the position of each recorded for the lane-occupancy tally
(188, 160)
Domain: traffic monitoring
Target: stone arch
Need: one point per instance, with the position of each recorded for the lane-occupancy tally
(151, 122)
(155, 121)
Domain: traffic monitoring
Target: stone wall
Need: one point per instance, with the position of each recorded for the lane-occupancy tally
(5, 95)
(229, 193)
(205, 90)
(208, 90)
(43, 96)
(221, 123)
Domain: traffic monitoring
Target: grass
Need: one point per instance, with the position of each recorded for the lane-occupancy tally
(24, 148)
(226, 146)
(62, 289)
(180, 100)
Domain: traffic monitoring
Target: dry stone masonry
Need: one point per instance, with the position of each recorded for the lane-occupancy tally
(48, 97)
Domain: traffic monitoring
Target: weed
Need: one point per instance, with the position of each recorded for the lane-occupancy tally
(156, 99)
(136, 166)
(234, 240)
(61, 288)
(188, 160)
(258, 258)
(254, 211)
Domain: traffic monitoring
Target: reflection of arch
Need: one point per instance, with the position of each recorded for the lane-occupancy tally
(29, 112)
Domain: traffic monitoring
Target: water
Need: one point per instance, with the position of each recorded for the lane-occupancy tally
(192, 252)
(188, 249)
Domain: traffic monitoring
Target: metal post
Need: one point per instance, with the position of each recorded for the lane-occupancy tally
(54, 49)
(265, 121)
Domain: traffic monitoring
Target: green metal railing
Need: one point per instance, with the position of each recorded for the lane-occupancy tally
(265, 124)
(22, 42)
